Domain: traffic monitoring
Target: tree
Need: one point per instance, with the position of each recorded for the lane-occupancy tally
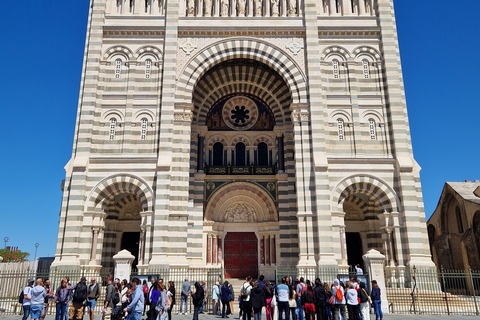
(13, 256)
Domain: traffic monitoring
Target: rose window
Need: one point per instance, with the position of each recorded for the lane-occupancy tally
(240, 113)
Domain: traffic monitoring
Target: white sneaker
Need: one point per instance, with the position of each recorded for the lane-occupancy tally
(179, 313)
(186, 313)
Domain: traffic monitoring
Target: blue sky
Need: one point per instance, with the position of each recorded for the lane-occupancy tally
(42, 56)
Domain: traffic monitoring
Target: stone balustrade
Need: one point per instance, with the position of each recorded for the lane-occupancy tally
(242, 8)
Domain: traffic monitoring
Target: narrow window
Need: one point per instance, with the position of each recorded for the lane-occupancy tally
(113, 126)
(144, 129)
(373, 133)
(218, 154)
(366, 69)
(459, 220)
(262, 154)
(337, 6)
(336, 73)
(148, 69)
(118, 68)
(341, 129)
(240, 152)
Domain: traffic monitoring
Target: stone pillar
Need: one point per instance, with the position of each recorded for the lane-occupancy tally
(281, 152)
(374, 266)
(273, 249)
(123, 264)
(209, 248)
(267, 250)
(262, 250)
(93, 252)
(215, 249)
(201, 152)
(220, 250)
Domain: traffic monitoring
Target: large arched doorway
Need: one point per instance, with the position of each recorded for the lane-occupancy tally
(122, 227)
(241, 111)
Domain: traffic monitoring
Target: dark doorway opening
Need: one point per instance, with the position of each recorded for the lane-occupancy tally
(354, 249)
(262, 154)
(130, 242)
(218, 154)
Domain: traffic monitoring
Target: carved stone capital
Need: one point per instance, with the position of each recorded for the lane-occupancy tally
(301, 112)
(183, 112)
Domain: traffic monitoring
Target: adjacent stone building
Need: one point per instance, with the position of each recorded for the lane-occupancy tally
(244, 134)
(454, 227)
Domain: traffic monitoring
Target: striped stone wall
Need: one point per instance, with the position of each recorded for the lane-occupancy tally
(149, 79)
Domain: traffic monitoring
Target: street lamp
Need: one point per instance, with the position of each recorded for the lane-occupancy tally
(5, 240)
(36, 247)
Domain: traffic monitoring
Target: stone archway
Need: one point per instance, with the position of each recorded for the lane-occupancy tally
(240, 221)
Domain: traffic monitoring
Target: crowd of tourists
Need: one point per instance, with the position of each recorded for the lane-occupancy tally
(132, 300)
(304, 300)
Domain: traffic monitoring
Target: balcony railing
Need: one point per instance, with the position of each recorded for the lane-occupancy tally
(241, 170)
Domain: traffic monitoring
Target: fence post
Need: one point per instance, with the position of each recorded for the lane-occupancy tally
(445, 290)
(473, 290)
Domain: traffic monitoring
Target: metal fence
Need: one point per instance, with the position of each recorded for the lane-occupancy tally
(425, 291)
(12, 283)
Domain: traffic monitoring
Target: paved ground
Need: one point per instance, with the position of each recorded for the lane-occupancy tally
(211, 317)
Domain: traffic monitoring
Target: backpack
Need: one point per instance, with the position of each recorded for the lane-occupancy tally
(80, 292)
(20, 297)
(243, 292)
(338, 293)
(304, 288)
(116, 299)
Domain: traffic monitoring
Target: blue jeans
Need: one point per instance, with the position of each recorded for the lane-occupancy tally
(299, 310)
(184, 297)
(134, 316)
(61, 309)
(201, 308)
(283, 307)
(35, 311)
(377, 305)
(26, 312)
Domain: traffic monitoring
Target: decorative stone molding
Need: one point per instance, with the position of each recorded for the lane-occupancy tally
(188, 46)
(295, 46)
(240, 212)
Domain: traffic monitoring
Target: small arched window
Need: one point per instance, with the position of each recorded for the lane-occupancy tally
(262, 150)
(240, 151)
(372, 129)
(118, 68)
(366, 69)
(458, 215)
(218, 154)
(341, 129)
(113, 127)
(148, 69)
(336, 71)
(143, 132)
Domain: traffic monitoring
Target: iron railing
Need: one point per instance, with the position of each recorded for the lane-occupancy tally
(12, 282)
(426, 291)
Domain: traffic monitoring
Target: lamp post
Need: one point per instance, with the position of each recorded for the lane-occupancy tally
(36, 247)
(5, 240)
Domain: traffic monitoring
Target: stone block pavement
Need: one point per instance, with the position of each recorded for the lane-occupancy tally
(212, 317)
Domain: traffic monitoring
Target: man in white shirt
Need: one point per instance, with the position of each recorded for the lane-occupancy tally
(359, 270)
(27, 297)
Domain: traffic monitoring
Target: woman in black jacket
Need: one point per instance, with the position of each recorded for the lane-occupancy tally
(258, 300)
(197, 298)
(171, 294)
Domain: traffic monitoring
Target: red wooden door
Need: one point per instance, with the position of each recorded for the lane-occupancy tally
(241, 255)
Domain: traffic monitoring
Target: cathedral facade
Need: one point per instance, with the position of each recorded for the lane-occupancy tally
(242, 134)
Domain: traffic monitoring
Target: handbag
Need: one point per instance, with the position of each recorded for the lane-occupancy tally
(330, 301)
(273, 302)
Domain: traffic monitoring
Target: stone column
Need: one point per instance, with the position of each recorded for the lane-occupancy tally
(281, 152)
(374, 266)
(142, 244)
(343, 249)
(267, 250)
(262, 250)
(220, 250)
(93, 252)
(273, 249)
(201, 152)
(209, 248)
(123, 264)
(215, 249)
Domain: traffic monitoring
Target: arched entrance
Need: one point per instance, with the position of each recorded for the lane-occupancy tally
(241, 222)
